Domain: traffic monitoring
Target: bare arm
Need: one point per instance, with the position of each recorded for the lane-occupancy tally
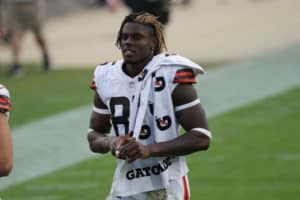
(6, 148)
(100, 126)
(189, 118)
(98, 138)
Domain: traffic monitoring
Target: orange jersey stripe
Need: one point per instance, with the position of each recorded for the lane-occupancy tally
(184, 73)
(93, 86)
(187, 80)
(186, 195)
(184, 76)
(5, 107)
(4, 100)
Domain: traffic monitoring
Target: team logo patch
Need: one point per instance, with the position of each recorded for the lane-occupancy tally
(159, 84)
(163, 123)
(145, 132)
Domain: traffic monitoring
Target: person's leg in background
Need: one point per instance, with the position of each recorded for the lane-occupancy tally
(41, 41)
(16, 40)
(17, 27)
(37, 26)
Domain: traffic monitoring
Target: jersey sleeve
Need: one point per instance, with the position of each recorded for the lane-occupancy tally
(93, 84)
(5, 105)
(184, 75)
(99, 72)
(97, 84)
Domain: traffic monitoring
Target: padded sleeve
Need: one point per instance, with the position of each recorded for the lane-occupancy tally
(184, 76)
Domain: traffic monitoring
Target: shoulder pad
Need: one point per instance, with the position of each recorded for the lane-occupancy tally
(177, 60)
(108, 63)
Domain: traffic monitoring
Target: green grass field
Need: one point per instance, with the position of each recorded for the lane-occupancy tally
(36, 95)
(254, 153)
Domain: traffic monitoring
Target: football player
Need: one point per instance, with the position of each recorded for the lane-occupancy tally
(6, 151)
(145, 97)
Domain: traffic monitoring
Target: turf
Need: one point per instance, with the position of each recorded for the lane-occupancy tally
(36, 95)
(254, 155)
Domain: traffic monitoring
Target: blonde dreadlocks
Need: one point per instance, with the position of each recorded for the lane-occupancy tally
(148, 20)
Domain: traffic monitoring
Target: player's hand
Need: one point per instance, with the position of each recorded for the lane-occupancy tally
(117, 143)
(134, 150)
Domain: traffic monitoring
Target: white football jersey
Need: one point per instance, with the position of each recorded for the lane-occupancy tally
(117, 90)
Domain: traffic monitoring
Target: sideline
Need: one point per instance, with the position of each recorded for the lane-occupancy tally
(213, 30)
(60, 141)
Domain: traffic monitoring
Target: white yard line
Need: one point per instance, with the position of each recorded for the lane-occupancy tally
(59, 141)
(239, 84)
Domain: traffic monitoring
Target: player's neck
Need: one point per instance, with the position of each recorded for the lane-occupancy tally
(133, 69)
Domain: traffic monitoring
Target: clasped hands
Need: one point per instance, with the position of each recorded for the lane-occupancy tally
(128, 148)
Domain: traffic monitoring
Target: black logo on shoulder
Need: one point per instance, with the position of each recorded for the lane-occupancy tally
(159, 83)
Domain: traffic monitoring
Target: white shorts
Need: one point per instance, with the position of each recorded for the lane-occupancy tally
(178, 190)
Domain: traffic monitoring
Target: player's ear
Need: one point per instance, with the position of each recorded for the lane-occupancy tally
(153, 44)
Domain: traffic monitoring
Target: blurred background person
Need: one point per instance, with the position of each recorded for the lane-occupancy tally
(4, 34)
(159, 8)
(6, 150)
(111, 4)
(2, 27)
(1, 22)
(24, 15)
(183, 2)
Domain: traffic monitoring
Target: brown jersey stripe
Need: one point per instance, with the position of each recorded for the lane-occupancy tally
(187, 80)
(184, 76)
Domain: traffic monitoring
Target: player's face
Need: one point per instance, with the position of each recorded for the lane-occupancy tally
(137, 43)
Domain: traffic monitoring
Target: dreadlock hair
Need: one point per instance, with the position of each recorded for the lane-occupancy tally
(148, 20)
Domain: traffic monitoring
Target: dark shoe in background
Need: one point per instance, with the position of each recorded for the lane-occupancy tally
(15, 70)
(46, 63)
